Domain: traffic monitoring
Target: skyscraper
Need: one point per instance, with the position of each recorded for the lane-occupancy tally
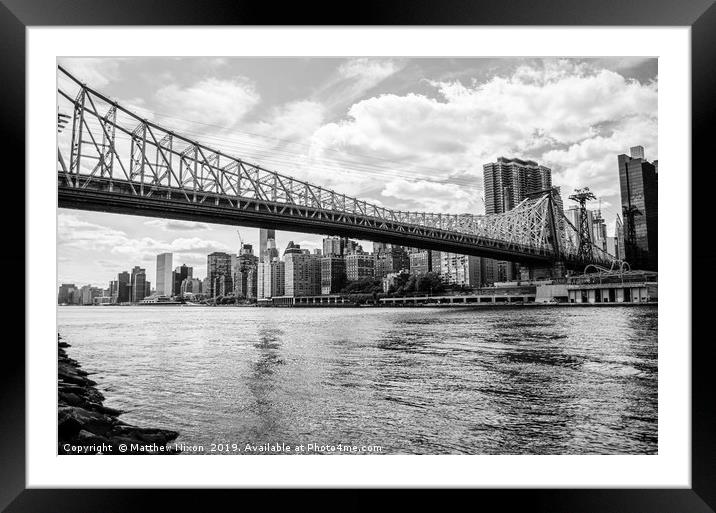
(302, 272)
(244, 279)
(461, 270)
(271, 279)
(181, 273)
(65, 293)
(619, 236)
(332, 274)
(264, 237)
(165, 283)
(218, 272)
(138, 284)
(638, 182)
(391, 259)
(507, 182)
(359, 266)
(421, 261)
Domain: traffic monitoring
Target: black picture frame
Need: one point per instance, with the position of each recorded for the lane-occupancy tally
(700, 15)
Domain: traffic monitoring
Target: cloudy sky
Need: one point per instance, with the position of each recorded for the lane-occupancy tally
(409, 134)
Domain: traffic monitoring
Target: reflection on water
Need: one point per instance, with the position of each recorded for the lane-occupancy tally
(420, 381)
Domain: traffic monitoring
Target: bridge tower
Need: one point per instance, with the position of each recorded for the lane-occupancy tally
(584, 235)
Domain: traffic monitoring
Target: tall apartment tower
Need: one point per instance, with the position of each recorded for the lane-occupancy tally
(124, 287)
(509, 181)
(181, 273)
(302, 272)
(218, 271)
(271, 279)
(138, 285)
(165, 283)
(264, 237)
(506, 183)
(244, 279)
(638, 181)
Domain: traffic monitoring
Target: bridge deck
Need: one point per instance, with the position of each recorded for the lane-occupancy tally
(166, 203)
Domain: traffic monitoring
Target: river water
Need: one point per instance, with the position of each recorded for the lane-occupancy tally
(463, 380)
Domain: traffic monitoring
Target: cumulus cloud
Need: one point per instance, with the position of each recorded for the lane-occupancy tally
(79, 234)
(171, 225)
(572, 117)
(353, 79)
(212, 100)
(94, 71)
(434, 197)
(293, 120)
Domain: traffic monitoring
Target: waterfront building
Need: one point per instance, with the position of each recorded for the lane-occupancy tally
(436, 258)
(124, 288)
(138, 285)
(205, 286)
(421, 261)
(112, 292)
(89, 293)
(245, 262)
(218, 271)
(271, 279)
(190, 286)
(461, 270)
(627, 287)
(264, 245)
(333, 274)
(302, 272)
(66, 293)
(359, 266)
(391, 259)
(165, 283)
(252, 283)
(638, 181)
(179, 274)
(490, 271)
(507, 182)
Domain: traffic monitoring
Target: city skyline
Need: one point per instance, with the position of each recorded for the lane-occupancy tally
(92, 246)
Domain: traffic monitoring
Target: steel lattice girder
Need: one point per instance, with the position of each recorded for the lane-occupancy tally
(159, 160)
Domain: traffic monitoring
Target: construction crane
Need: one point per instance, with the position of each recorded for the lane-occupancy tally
(241, 241)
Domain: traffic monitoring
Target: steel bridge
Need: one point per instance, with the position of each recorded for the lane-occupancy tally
(117, 161)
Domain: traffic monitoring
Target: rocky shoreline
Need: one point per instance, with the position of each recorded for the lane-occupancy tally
(86, 426)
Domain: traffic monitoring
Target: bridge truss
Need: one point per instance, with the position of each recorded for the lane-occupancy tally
(112, 159)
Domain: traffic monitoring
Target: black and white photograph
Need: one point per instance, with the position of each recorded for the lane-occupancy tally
(357, 255)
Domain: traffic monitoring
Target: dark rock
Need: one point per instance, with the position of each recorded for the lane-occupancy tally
(106, 409)
(70, 399)
(147, 435)
(95, 422)
(67, 425)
